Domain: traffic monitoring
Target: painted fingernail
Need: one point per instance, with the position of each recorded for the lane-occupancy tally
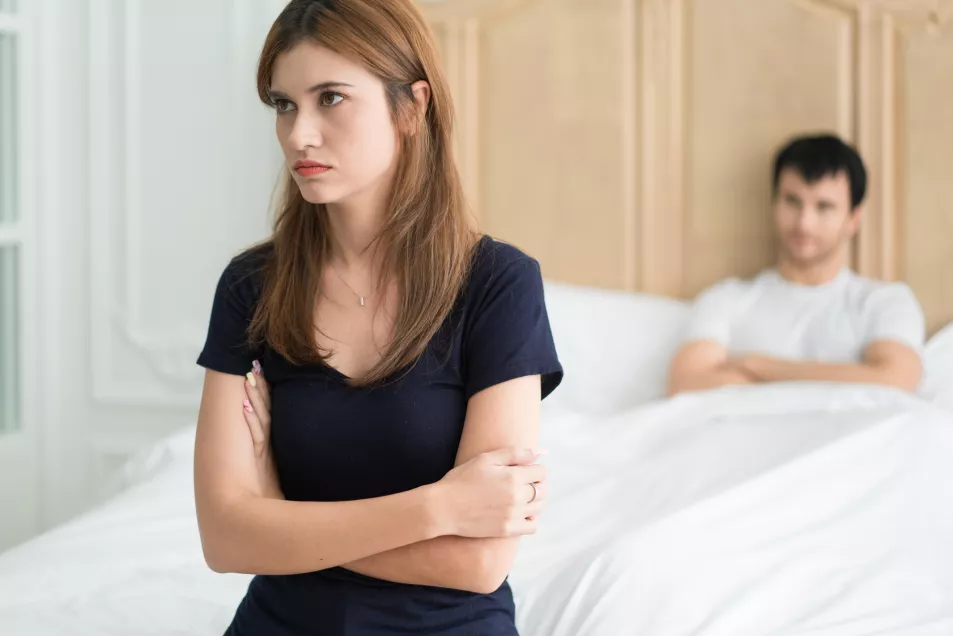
(256, 367)
(247, 405)
(251, 378)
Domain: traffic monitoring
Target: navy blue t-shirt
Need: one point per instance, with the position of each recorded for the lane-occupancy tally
(334, 442)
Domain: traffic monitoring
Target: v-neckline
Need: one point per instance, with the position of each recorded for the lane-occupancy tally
(337, 373)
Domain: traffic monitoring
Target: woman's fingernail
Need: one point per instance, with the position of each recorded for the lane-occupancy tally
(251, 378)
(256, 367)
(247, 405)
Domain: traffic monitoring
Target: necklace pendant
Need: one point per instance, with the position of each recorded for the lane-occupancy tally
(362, 301)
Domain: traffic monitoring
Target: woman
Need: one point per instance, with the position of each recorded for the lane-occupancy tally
(386, 481)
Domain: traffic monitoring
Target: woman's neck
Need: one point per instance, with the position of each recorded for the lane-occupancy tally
(355, 225)
(353, 233)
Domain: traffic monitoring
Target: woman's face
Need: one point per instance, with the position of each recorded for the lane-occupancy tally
(334, 124)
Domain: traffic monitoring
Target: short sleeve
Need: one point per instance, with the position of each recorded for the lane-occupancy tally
(712, 313)
(508, 334)
(893, 313)
(226, 345)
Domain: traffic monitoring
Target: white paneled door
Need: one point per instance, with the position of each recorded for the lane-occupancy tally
(135, 160)
(19, 483)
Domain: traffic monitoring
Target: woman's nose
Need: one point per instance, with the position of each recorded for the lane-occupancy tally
(306, 131)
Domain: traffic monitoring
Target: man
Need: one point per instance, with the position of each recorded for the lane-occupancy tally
(810, 317)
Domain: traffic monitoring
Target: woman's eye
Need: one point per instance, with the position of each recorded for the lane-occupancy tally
(330, 99)
(283, 105)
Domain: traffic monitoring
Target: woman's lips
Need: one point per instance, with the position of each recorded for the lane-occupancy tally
(310, 168)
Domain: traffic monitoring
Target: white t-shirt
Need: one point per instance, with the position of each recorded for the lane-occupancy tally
(833, 322)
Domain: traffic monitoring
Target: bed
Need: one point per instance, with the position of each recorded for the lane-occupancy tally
(787, 509)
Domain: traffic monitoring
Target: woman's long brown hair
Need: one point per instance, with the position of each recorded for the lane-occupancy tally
(427, 237)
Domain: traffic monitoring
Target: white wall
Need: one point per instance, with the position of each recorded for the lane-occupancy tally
(156, 163)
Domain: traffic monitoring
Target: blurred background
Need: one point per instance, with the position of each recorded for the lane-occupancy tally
(627, 144)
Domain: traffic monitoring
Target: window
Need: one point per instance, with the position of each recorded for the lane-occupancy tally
(12, 232)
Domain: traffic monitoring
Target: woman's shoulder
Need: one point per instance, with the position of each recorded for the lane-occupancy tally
(227, 348)
(244, 273)
(252, 260)
(506, 332)
(499, 267)
(494, 258)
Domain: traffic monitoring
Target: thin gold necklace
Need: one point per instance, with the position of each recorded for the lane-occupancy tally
(360, 297)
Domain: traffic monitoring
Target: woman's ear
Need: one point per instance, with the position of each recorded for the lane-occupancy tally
(421, 91)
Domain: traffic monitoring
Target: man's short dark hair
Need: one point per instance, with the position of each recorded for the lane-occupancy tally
(819, 156)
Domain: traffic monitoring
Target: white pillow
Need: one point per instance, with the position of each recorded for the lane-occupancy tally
(615, 347)
(937, 385)
(146, 463)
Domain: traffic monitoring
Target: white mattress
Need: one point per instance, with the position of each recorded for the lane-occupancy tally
(788, 509)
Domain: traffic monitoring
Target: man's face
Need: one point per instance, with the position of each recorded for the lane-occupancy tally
(814, 220)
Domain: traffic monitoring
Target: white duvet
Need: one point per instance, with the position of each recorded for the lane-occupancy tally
(789, 509)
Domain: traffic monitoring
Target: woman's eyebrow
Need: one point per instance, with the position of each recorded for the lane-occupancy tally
(323, 86)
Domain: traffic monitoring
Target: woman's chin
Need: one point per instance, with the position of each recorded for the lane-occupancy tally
(317, 196)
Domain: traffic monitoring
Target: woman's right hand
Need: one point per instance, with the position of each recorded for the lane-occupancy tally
(258, 418)
(496, 494)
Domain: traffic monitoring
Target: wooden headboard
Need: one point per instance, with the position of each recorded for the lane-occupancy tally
(628, 143)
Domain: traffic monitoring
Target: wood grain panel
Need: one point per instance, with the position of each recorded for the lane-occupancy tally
(553, 162)
(759, 73)
(629, 143)
(925, 232)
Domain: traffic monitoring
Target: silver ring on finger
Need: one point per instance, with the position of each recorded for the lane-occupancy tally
(535, 492)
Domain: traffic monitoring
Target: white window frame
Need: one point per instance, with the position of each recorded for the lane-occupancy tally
(22, 235)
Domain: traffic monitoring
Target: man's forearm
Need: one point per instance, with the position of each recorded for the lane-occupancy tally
(722, 376)
(776, 370)
(474, 565)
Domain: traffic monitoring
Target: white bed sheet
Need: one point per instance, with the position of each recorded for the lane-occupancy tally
(937, 384)
(790, 509)
(787, 509)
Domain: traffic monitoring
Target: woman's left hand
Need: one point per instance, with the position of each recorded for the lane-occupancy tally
(257, 410)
